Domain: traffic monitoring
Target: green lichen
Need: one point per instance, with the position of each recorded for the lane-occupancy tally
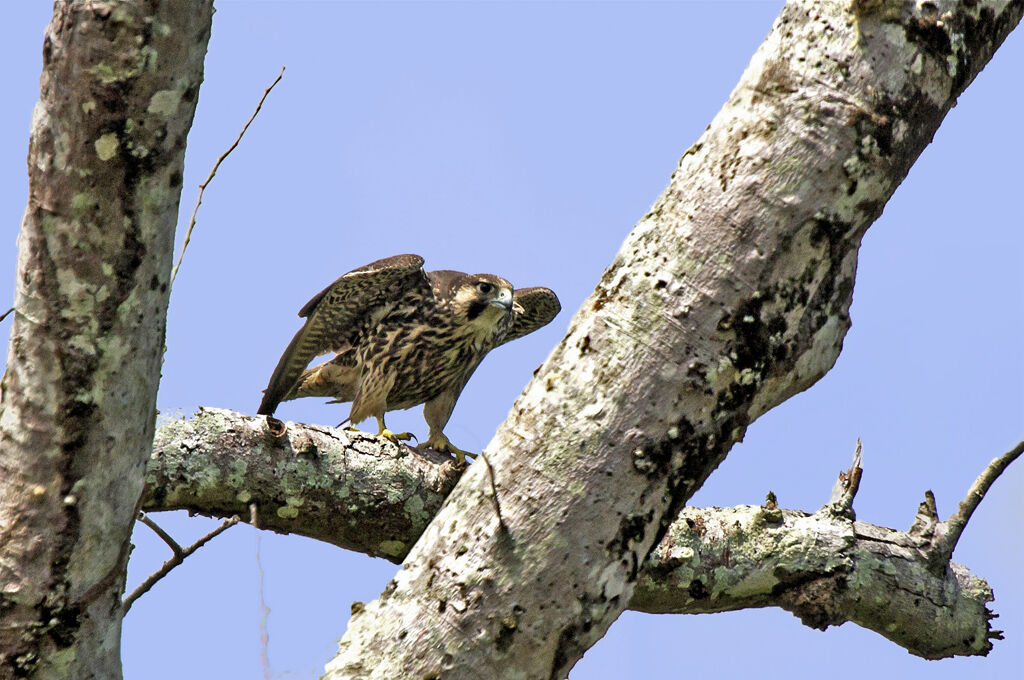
(414, 507)
(81, 205)
(121, 14)
(298, 476)
(106, 146)
(291, 509)
(164, 103)
(148, 59)
(392, 548)
(208, 423)
(105, 73)
(236, 473)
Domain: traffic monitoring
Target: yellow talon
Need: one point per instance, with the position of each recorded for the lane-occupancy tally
(441, 443)
(392, 437)
(383, 431)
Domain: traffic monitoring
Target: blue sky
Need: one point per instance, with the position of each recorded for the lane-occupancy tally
(525, 139)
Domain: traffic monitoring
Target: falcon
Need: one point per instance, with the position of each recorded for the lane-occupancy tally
(403, 337)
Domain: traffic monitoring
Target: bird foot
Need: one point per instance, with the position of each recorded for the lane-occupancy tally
(383, 432)
(441, 443)
(395, 438)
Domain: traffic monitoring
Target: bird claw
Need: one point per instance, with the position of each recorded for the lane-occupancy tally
(395, 438)
(442, 444)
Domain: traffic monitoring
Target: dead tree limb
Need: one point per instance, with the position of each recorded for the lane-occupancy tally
(366, 494)
(179, 556)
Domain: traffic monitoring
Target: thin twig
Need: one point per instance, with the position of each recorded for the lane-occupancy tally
(6, 313)
(178, 558)
(209, 178)
(956, 523)
(145, 519)
(264, 609)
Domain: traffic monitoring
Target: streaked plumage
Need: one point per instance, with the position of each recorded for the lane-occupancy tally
(403, 337)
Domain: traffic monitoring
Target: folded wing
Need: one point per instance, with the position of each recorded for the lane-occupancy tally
(336, 315)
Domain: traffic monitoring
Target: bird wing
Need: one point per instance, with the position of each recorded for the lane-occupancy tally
(335, 315)
(533, 308)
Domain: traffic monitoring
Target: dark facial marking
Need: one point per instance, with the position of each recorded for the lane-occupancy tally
(476, 308)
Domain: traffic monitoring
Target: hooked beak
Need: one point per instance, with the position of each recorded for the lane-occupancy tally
(504, 299)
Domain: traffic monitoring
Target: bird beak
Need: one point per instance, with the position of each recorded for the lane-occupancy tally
(504, 299)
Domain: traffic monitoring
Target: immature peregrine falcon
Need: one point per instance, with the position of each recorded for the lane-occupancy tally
(403, 337)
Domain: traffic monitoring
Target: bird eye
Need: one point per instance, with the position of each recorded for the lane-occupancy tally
(485, 287)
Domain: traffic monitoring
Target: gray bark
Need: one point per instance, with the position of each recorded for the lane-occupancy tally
(347, 488)
(364, 493)
(728, 297)
(117, 95)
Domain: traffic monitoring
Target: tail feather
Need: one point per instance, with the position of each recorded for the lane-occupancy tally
(299, 353)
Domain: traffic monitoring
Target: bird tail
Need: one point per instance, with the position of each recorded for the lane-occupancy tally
(298, 354)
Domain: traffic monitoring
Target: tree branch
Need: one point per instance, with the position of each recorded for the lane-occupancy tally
(346, 488)
(953, 527)
(358, 491)
(213, 173)
(179, 556)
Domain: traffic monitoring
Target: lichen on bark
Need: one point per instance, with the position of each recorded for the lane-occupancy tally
(83, 365)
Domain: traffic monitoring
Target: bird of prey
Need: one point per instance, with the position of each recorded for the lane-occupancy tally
(403, 337)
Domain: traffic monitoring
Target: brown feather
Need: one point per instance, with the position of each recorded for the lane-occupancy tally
(404, 337)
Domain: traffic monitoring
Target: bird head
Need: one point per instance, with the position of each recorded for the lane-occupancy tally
(483, 300)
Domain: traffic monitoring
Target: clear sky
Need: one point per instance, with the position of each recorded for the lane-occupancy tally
(525, 139)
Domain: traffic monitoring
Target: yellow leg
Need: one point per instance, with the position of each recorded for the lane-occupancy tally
(383, 431)
(439, 442)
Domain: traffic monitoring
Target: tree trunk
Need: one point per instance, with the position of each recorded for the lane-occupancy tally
(728, 297)
(118, 92)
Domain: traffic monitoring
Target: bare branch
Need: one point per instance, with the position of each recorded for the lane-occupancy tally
(845, 489)
(5, 314)
(825, 569)
(213, 172)
(158, 530)
(179, 556)
(359, 492)
(954, 526)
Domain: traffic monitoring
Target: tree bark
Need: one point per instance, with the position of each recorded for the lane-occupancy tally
(117, 95)
(728, 297)
(364, 493)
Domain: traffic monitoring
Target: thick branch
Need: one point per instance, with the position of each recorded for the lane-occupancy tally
(346, 488)
(371, 496)
(825, 569)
